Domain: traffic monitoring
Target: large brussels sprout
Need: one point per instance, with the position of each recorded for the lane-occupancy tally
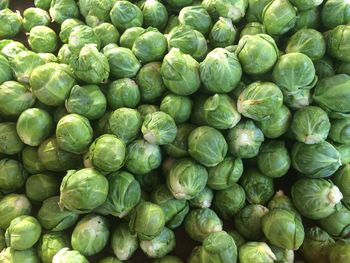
(12, 206)
(123, 195)
(223, 33)
(53, 218)
(235, 10)
(207, 146)
(11, 23)
(159, 246)
(315, 160)
(10, 143)
(178, 107)
(200, 223)
(335, 13)
(6, 71)
(83, 190)
(155, 14)
(66, 255)
(95, 12)
(50, 243)
(338, 43)
(203, 199)
(124, 243)
(42, 39)
(249, 53)
(339, 253)
(123, 93)
(258, 252)
(316, 198)
(186, 179)
(42, 186)
(90, 235)
(253, 28)
(341, 179)
(67, 27)
(35, 17)
(12, 255)
(147, 220)
(12, 175)
(125, 15)
(338, 223)
(60, 10)
(220, 71)
(340, 130)
(196, 17)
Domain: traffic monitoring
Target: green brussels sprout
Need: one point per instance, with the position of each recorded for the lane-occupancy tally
(123, 93)
(146, 109)
(88, 101)
(195, 256)
(281, 201)
(220, 71)
(154, 14)
(122, 62)
(53, 218)
(6, 71)
(159, 128)
(11, 255)
(4, 4)
(300, 99)
(223, 33)
(335, 13)
(341, 179)
(315, 160)
(196, 17)
(173, 21)
(125, 15)
(340, 252)
(306, 4)
(237, 238)
(186, 179)
(51, 83)
(60, 10)
(82, 35)
(123, 195)
(83, 190)
(277, 124)
(339, 131)
(178, 107)
(200, 223)
(110, 260)
(229, 201)
(309, 18)
(12, 175)
(245, 139)
(129, 36)
(48, 57)
(124, 243)
(315, 198)
(50, 243)
(42, 39)
(255, 10)
(67, 27)
(68, 54)
(90, 235)
(249, 53)
(10, 143)
(179, 147)
(235, 10)
(338, 43)
(338, 223)
(252, 29)
(95, 12)
(168, 259)
(160, 245)
(66, 255)
(35, 17)
(174, 210)
(23, 232)
(257, 252)
(225, 174)
(10, 48)
(344, 151)
(42, 186)
(11, 23)
(107, 34)
(147, 220)
(283, 255)
(188, 41)
(203, 199)
(125, 123)
(324, 68)
(12, 206)
(55, 159)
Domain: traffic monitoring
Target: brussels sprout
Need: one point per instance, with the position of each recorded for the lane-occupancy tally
(51, 83)
(11, 255)
(300, 99)
(281, 201)
(42, 39)
(110, 260)
(60, 10)
(324, 68)
(340, 252)
(316, 160)
(10, 48)
(283, 255)
(203, 199)
(125, 15)
(124, 243)
(184, 79)
(338, 223)
(316, 198)
(173, 21)
(238, 239)
(196, 17)
(107, 34)
(23, 232)
(54, 159)
(122, 62)
(95, 12)
(341, 179)
(13, 206)
(176, 106)
(12, 175)
(255, 10)
(6, 71)
(125, 123)
(66, 255)
(309, 18)
(82, 35)
(123, 93)
(258, 252)
(129, 36)
(11, 23)
(249, 53)
(143, 157)
(195, 256)
(53, 218)
(253, 28)
(306, 4)
(154, 14)
(344, 151)
(83, 190)
(200, 223)
(235, 10)
(67, 27)
(338, 43)
(160, 245)
(340, 131)
(223, 33)
(147, 220)
(50, 243)
(168, 259)
(335, 13)
(42, 186)
(179, 147)
(48, 57)
(68, 54)
(35, 17)
(10, 143)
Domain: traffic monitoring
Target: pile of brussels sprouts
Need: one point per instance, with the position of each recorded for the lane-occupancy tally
(122, 121)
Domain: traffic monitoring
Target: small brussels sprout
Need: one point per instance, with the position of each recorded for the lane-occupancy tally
(340, 252)
(154, 14)
(338, 43)
(203, 199)
(60, 10)
(11, 23)
(338, 223)
(66, 255)
(83, 190)
(253, 28)
(315, 198)
(223, 33)
(281, 201)
(90, 235)
(300, 99)
(178, 107)
(129, 36)
(95, 12)
(125, 123)
(147, 220)
(179, 147)
(315, 160)
(125, 15)
(6, 71)
(200, 223)
(67, 27)
(180, 73)
(196, 17)
(123, 93)
(31, 161)
(50, 243)
(12, 255)
(159, 246)
(341, 179)
(12, 175)
(53, 218)
(335, 13)
(220, 71)
(35, 17)
(12, 206)
(10, 143)
(258, 252)
(235, 10)
(249, 53)
(23, 232)
(42, 39)
(168, 259)
(245, 139)
(124, 243)
(340, 130)
(42, 186)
